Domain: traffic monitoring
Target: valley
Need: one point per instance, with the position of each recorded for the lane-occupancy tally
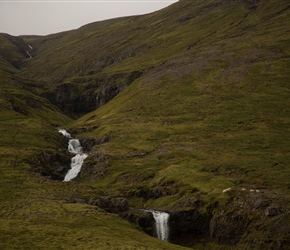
(185, 110)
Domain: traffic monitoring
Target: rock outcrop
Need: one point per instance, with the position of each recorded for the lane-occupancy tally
(52, 164)
(110, 204)
(84, 95)
(252, 219)
(72, 99)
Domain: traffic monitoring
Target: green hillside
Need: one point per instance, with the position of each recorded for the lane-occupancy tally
(173, 108)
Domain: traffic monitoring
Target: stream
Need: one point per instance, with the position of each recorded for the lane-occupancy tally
(74, 147)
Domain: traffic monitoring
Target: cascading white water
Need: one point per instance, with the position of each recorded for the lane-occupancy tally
(28, 54)
(64, 133)
(161, 222)
(74, 147)
(76, 165)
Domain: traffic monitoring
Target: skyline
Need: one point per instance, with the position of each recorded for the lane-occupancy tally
(44, 17)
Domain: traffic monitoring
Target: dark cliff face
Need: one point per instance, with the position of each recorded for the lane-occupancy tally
(79, 97)
(113, 85)
(189, 227)
(73, 99)
(52, 163)
(252, 217)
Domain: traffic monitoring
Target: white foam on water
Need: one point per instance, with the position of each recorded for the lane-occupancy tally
(64, 133)
(74, 147)
(162, 228)
(76, 165)
(161, 224)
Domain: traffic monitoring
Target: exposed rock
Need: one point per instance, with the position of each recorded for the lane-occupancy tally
(141, 218)
(77, 98)
(153, 193)
(83, 130)
(112, 205)
(251, 211)
(89, 143)
(228, 227)
(260, 203)
(272, 211)
(72, 98)
(55, 165)
(15, 106)
(188, 226)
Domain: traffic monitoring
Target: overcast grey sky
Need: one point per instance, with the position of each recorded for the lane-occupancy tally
(43, 17)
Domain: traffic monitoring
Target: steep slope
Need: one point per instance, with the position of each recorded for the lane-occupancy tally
(101, 59)
(190, 101)
(35, 211)
(13, 52)
(210, 112)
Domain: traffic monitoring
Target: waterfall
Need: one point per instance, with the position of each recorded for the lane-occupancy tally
(161, 221)
(28, 54)
(76, 165)
(74, 147)
(161, 224)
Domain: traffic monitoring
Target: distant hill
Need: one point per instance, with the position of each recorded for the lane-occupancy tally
(184, 110)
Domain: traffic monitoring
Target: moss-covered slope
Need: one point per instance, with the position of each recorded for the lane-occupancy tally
(37, 212)
(217, 108)
(190, 101)
(211, 113)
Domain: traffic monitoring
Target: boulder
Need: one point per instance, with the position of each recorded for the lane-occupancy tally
(272, 211)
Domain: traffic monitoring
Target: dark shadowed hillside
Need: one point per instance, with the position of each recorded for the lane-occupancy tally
(184, 110)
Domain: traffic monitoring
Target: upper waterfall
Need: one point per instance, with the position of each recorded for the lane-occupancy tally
(64, 133)
(74, 147)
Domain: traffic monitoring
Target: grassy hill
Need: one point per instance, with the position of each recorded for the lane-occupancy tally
(173, 108)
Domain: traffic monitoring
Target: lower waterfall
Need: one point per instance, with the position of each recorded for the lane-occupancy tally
(161, 221)
(74, 147)
(161, 224)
